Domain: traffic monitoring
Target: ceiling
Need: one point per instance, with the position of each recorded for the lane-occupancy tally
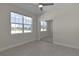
(33, 7)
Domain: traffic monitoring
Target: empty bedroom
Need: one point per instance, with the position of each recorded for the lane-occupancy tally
(39, 29)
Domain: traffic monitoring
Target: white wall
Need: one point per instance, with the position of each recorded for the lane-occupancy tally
(50, 28)
(6, 39)
(65, 24)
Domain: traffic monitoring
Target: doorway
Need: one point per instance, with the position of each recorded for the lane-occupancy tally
(47, 36)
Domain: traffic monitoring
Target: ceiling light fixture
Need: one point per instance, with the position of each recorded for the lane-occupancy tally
(40, 6)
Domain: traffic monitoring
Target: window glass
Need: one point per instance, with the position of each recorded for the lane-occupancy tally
(16, 28)
(27, 28)
(27, 24)
(27, 20)
(16, 18)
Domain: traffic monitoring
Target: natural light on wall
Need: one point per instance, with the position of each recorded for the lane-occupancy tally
(20, 23)
(43, 26)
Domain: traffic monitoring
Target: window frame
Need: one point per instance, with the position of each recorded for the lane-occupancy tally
(19, 23)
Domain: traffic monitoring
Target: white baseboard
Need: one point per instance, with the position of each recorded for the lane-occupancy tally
(12, 46)
(67, 45)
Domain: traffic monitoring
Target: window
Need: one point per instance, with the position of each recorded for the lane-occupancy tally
(43, 26)
(16, 23)
(20, 23)
(27, 24)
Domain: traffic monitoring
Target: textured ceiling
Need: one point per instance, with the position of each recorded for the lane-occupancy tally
(33, 7)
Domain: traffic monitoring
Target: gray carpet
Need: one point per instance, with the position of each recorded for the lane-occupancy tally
(40, 48)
